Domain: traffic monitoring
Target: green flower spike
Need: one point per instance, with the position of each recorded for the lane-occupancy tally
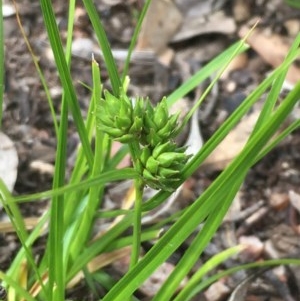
(118, 118)
(158, 125)
(161, 166)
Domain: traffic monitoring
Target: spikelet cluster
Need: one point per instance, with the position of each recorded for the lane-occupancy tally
(119, 118)
(160, 160)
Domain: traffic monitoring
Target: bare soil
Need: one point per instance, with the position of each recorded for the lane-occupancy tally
(265, 217)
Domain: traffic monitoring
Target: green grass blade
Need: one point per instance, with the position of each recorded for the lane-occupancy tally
(55, 249)
(240, 47)
(17, 221)
(205, 72)
(104, 44)
(137, 223)
(39, 71)
(127, 241)
(171, 287)
(225, 128)
(56, 228)
(194, 251)
(273, 95)
(293, 3)
(134, 39)
(88, 277)
(291, 128)
(82, 234)
(220, 134)
(201, 207)
(65, 76)
(105, 177)
(19, 290)
(159, 253)
(98, 246)
(71, 18)
(33, 236)
(80, 171)
(261, 264)
(188, 290)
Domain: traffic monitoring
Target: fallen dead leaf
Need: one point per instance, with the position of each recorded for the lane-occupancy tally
(214, 23)
(42, 167)
(161, 22)
(232, 144)
(30, 223)
(279, 201)
(238, 62)
(101, 261)
(273, 49)
(241, 10)
(253, 248)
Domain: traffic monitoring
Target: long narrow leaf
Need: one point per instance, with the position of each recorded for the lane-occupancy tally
(220, 134)
(203, 237)
(20, 290)
(205, 72)
(189, 220)
(15, 216)
(105, 177)
(56, 229)
(261, 264)
(189, 289)
(39, 71)
(237, 177)
(65, 76)
(55, 250)
(97, 247)
(81, 236)
(104, 44)
(134, 38)
(273, 95)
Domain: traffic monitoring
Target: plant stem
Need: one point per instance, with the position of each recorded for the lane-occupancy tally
(134, 148)
(136, 244)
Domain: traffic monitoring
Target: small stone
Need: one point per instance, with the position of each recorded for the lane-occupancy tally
(42, 167)
(279, 201)
(217, 291)
(152, 285)
(292, 26)
(295, 200)
(253, 248)
(231, 86)
(241, 10)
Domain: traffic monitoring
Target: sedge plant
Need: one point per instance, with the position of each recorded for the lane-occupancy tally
(148, 132)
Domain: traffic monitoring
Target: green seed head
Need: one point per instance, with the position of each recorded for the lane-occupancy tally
(162, 165)
(158, 127)
(161, 148)
(161, 114)
(119, 118)
(145, 154)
